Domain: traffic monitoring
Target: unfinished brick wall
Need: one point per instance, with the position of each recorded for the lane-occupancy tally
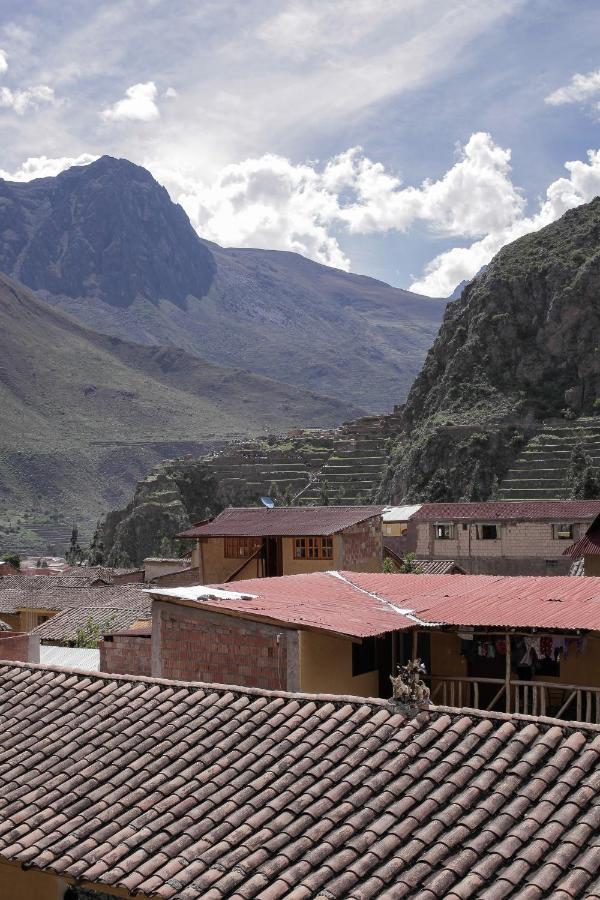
(22, 647)
(362, 546)
(126, 654)
(197, 645)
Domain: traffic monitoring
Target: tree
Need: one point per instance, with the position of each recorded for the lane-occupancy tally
(408, 566)
(324, 493)
(74, 554)
(12, 559)
(90, 634)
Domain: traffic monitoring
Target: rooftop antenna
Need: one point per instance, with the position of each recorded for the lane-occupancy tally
(268, 502)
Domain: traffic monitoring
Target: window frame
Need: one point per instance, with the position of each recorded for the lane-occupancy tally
(313, 547)
(240, 547)
(451, 526)
(479, 531)
(568, 535)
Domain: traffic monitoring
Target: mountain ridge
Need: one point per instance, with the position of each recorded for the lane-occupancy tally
(105, 244)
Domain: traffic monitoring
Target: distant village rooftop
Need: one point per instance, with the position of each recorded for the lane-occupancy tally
(506, 510)
(136, 785)
(255, 521)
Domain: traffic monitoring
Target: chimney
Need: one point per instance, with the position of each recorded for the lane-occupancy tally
(410, 692)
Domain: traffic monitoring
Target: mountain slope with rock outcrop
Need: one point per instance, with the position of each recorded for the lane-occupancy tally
(518, 347)
(105, 244)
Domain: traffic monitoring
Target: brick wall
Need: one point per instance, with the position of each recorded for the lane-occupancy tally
(198, 645)
(126, 654)
(362, 546)
(19, 647)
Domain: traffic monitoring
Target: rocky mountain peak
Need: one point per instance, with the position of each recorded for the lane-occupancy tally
(108, 231)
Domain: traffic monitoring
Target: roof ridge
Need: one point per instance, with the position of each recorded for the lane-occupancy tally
(340, 699)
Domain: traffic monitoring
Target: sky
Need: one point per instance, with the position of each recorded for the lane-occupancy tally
(408, 140)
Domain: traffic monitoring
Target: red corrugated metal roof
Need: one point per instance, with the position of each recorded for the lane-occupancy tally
(360, 604)
(256, 521)
(552, 510)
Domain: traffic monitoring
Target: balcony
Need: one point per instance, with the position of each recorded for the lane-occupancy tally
(571, 702)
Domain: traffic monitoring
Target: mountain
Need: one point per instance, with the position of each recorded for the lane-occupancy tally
(84, 415)
(105, 243)
(518, 347)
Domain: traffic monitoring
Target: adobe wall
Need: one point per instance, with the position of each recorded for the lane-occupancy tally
(216, 569)
(129, 654)
(199, 645)
(362, 546)
(517, 540)
(293, 566)
(19, 648)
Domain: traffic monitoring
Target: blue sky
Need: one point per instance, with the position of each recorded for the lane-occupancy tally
(404, 139)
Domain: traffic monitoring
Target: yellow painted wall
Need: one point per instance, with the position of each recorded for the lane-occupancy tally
(216, 569)
(15, 884)
(293, 566)
(591, 565)
(394, 528)
(326, 667)
(29, 617)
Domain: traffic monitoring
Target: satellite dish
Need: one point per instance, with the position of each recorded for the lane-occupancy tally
(266, 501)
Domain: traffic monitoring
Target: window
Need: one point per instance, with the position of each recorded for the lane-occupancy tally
(313, 548)
(41, 619)
(241, 547)
(444, 531)
(364, 657)
(562, 532)
(487, 532)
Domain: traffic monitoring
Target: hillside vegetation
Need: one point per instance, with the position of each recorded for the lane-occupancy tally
(84, 415)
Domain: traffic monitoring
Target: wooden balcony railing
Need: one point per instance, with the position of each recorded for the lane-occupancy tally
(574, 702)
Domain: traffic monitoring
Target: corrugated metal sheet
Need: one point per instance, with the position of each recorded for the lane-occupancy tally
(400, 513)
(519, 510)
(71, 657)
(365, 604)
(255, 521)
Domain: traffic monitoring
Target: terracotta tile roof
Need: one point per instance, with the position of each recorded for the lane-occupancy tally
(521, 510)
(57, 597)
(201, 792)
(360, 604)
(426, 566)
(588, 545)
(64, 626)
(255, 521)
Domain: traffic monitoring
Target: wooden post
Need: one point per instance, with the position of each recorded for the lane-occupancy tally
(507, 676)
(394, 654)
(414, 643)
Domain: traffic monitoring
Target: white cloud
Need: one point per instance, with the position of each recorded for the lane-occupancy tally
(44, 166)
(270, 202)
(22, 100)
(580, 89)
(448, 269)
(3, 62)
(138, 105)
(170, 93)
(266, 202)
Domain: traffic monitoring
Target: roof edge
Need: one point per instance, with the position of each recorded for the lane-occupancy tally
(291, 695)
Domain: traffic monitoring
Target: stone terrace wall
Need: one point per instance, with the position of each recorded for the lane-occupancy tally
(126, 654)
(197, 645)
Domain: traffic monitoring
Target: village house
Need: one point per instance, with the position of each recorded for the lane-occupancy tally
(499, 537)
(149, 788)
(512, 644)
(255, 542)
